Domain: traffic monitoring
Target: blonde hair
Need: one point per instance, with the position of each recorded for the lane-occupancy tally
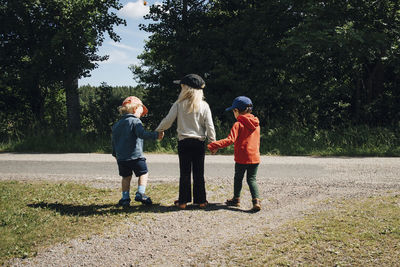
(128, 108)
(193, 96)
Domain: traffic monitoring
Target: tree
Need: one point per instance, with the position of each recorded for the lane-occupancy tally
(47, 41)
(233, 43)
(351, 50)
(316, 64)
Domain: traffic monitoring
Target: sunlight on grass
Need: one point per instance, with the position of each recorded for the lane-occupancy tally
(360, 232)
(35, 215)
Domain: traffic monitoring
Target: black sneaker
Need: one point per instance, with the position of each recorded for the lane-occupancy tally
(143, 198)
(124, 202)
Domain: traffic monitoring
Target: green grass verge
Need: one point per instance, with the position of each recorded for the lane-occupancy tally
(36, 215)
(69, 143)
(358, 232)
(351, 141)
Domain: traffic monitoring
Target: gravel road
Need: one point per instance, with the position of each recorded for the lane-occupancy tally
(289, 186)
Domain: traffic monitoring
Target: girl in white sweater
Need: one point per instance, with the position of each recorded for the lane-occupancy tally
(195, 125)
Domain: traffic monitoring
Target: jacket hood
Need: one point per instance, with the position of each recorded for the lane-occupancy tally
(249, 121)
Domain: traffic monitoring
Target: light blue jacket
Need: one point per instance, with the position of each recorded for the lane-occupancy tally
(127, 138)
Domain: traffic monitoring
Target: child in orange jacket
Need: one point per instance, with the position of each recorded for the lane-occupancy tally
(245, 134)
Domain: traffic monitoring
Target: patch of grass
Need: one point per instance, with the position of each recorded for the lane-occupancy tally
(5, 146)
(351, 141)
(62, 143)
(359, 232)
(78, 143)
(286, 141)
(169, 144)
(35, 215)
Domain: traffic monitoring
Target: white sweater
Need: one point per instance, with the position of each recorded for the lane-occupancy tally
(198, 125)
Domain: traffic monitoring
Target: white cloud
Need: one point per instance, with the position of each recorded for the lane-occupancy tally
(120, 58)
(134, 10)
(124, 46)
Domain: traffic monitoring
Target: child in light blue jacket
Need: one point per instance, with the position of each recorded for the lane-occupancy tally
(127, 144)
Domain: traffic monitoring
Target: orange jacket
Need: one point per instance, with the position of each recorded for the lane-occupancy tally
(245, 133)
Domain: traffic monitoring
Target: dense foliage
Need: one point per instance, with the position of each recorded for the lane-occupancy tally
(313, 64)
(100, 107)
(45, 44)
(322, 75)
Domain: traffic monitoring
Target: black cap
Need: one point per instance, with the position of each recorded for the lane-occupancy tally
(192, 80)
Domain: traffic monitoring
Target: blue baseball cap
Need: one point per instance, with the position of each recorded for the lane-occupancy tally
(241, 103)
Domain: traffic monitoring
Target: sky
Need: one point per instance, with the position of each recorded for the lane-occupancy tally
(122, 54)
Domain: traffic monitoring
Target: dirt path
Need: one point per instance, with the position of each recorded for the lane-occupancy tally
(289, 186)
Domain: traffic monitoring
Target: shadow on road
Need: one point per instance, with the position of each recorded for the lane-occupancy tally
(110, 209)
(220, 206)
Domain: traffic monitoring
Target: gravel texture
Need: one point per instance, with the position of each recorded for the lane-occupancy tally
(289, 186)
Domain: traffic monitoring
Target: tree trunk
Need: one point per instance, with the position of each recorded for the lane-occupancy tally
(73, 106)
(36, 102)
(375, 82)
(356, 100)
(182, 35)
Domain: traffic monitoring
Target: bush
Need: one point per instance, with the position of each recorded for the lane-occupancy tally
(351, 141)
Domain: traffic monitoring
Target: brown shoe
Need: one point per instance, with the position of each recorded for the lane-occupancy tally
(233, 202)
(203, 205)
(182, 206)
(256, 204)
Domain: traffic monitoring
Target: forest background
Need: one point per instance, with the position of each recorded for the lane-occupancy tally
(324, 76)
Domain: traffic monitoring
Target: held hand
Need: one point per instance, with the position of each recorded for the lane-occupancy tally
(160, 135)
(212, 150)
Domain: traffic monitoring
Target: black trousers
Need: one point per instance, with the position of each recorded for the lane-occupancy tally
(191, 155)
